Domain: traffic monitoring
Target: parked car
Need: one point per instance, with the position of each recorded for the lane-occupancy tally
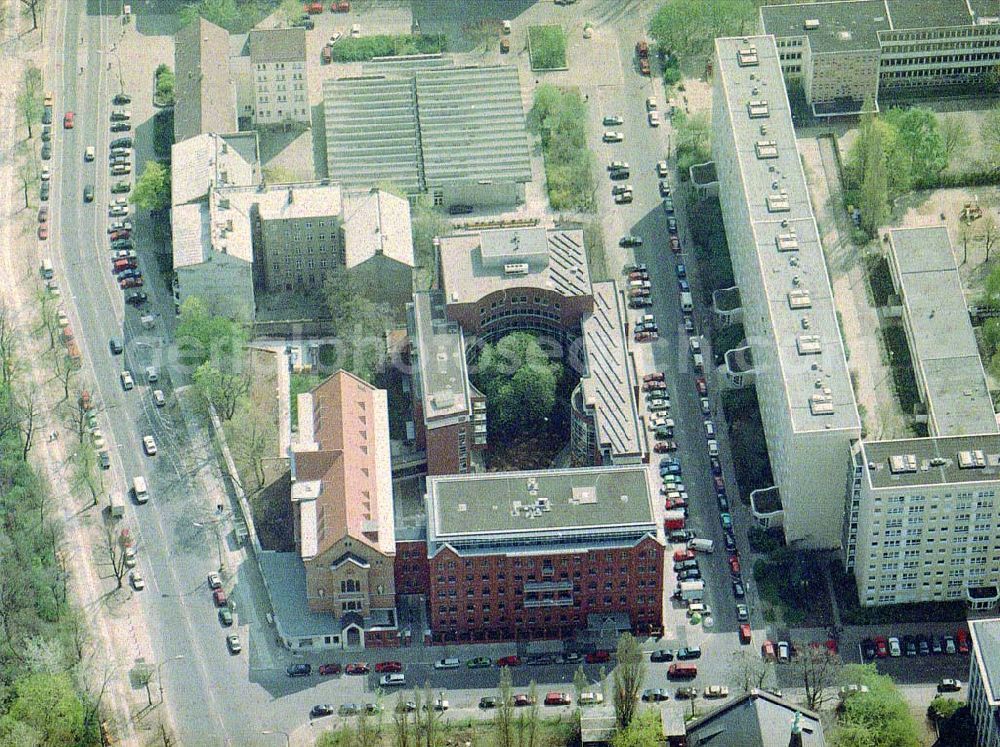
(329, 669)
(742, 613)
(854, 689)
(298, 670)
(319, 711)
(557, 699)
(661, 654)
(655, 695)
(488, 701)
(881, 647)
(233, 643)
(716, 691)
(868, 648)
(214, 581)
(597, 657)
(138, 582)
(384, 667)
(449, 663)
(225, 617)
(949, 645)
(508, 661)
(686, 693)
(348, 709)
(962, 639)
(630, 240)
(690, 652)
(219, 597)
(738, 590)
(949, 685)
(358, 667)
(894, 648)
(612, 136)
(480, 662)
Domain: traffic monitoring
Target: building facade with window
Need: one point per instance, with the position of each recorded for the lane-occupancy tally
(799, 368)
(848, 55)
(280, 85)
(342, 506)
(984, 681)
(528, 555)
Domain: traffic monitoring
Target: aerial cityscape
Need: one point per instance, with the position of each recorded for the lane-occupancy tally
(500, 373)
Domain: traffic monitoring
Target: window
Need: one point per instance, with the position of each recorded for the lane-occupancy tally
(350, 586)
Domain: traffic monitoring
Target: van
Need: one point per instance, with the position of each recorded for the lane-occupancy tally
(140, 490)
(701, 545)
(682, 672)
(117, 505)
(687, 304)
(392, 680)
(47, 271)
(713, 447)
(696, 608)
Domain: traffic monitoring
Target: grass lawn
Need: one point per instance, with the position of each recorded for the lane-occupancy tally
(299, 383)
(559, 118)
(547, 45)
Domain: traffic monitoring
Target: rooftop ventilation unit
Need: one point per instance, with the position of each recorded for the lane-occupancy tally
(747, 56)
(799, 299)
(805, 322)
(515, 268)
(975, 459)
(778, 203)
(821, 404)
(808, 345)
(765, 148)
(787, 242)
(811, 24)
(758, 109)
(902, 464)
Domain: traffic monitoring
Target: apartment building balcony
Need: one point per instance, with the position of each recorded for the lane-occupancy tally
(738, 371)
(728, 306)
(704, 179)
(766, 508)
(563, 585)
(982, 597)
(560, 602)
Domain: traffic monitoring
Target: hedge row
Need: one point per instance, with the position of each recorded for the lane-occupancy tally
(384, 45)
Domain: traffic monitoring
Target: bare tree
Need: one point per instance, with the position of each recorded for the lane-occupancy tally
(503, 720)
(432, 717)
(749, 671)
(32, 6)
(401, 726)
(65, 371)
(965, 234)
(27, 170)
(28, 408)
(48, 315)
(818, 669)
(252, 444)
(954, 136)
(528, 739)
(988, 231)
(142, 675)
(76, 409)
(580, 682)
(86, 473)
(29, 98)
(628, 677)
(8, 346)
(115, 544)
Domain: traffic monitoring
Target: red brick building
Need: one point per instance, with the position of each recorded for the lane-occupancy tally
(523, 555)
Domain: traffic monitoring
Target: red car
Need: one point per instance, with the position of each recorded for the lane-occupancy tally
(745, 633)
(125, 283)
(675, 245)
(682, 555)
(557, 699)
(734, 566)
(597, 657)
(219, 596)
(523, 700)
(647, 336)
(672, 503)
(43, 231)
(340, 7)
(68, 121)
(962, 641)
(701, 385)
(508, 661)
(655, 376)
(831, 646)
(663, 447)
(389, 666)
(654, 386)
(328, 669)
(122, 234)
(314, 8)
(881, 647)
(358, 667)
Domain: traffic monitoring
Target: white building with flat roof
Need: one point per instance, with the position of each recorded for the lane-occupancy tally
(984, 681)
(806, 399)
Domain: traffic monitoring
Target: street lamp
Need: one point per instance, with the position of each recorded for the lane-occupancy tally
(288, 739)
(159, 668)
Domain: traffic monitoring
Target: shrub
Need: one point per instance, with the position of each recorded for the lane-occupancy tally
(559, 118)
(384, 45)
(548, 47)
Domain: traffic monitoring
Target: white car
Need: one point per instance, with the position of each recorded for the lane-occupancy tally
(651, 104)
(158, 399)
(591, 698)
(99, 442)
(46, 174)
(706, 407)
(662, 169)
(118, 211)
(130, 559)
(894, 649)
(127, 382)
(335, 38)
(152, 374)
(655, 423)
(447, 664)
(611, 136)
(149, 445)
(784, 652)
(88, 154)
(138, 582)
(716, 691)
(654, 119)
(356, 30)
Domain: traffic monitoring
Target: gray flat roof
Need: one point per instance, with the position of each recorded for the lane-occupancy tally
(923, 14)
(485, 505)
(443, 381)
(945, 350)
(986, 655)
(278, 45)
(932, 461)
(609, 384)
(788, 257)
(474, 265)
(285, 575)
(427, 126)
(844, 25)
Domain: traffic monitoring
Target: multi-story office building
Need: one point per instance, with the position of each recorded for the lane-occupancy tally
(850, 54)
(984, 681)
(341, 493)
(805, 394)
(523, 555)
(926, 519)
(281, 90)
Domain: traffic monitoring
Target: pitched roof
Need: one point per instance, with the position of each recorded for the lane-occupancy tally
(755, 719)
(341, 475)
(208, 160)
(278, 45)
(204, 92)
(377, 222)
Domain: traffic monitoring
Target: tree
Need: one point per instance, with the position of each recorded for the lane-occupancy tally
(580, 682)
(8, 346)
(427, 223)
(688, 27)
(152, 188)
(290, 11)
(48, 704)
(644, 730)
(503, 719)
(31, 6)
(202, 336)
(877, 718)
(628, 678)
(65, 372)
(358, 322)
(402, 733)
(164, 85)
(991, 288)
(942, 708)
(224, 388)
(28, 408)
(692, 141)
(29, 98)
(432, 718)
(818, 669)
(252, 442)
(989, 131)
(86, 472)
(919, 146)
(749, 671)
(519, 381)
(115, 543)
(48, 315)
(27, 170)
(955, 137)
(872, 147)
(988, 232)
(966, 233)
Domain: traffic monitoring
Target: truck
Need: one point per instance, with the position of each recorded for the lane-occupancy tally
(699, 544)
(687, 303)
(117, 505)
(691, 591)
(673, 519)
(682, 672)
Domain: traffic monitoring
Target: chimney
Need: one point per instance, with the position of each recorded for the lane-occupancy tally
(795, 740)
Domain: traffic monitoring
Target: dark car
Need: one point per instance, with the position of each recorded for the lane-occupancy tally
(459, 209)
(909, 645)
(105, 459)
(597, 657)
(716, 466)
(937, 647)
(46, 133)
(115, 345)
(44, 191)
(121, 98)
(655, 695)
(686, 693)
(692, 574)
(868, 648)
(88, 193)
(136, 298)
(730, 541)
(662, 654)
(630, 240)
(672, 225)
(47, 115)
(488, 701)
(120, 127)
(121, 142)
(46, 151)
(923, 645)
(327, 670)
(319, 711)
(738, 590)
(298, 670)
(685, 654)
(680, 535)
(723, 503)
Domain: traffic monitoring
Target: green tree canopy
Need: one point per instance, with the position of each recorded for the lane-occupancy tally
(519, 381)
(359, 324)
(152, 188)
(558, 116)
(165, 85)
(644, 730)
(202, 336)
(919, 154)
(877, 718)
(48, 705)
(689, 27)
